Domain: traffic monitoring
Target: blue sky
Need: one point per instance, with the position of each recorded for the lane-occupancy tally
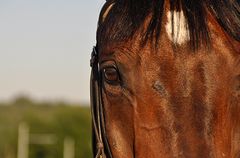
(45, 47)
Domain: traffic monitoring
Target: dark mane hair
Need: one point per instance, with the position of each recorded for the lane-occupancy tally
(126, 16)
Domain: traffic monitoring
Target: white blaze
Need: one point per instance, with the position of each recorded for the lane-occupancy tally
(177, 28)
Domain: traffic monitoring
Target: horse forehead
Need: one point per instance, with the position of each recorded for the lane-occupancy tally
(166, 52)
(177, 28)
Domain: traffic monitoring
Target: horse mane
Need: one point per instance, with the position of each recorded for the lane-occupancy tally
(126, 16)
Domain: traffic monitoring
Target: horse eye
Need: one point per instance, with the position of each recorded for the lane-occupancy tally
(111, 75)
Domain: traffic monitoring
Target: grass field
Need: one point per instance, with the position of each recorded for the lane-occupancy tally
(61, 119)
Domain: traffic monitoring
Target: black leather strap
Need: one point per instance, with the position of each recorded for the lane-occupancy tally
(101, 147)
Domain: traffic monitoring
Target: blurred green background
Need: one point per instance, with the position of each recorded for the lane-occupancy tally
(57, 119)
(45, 48)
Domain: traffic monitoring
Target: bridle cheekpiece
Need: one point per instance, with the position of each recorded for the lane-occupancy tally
(100, 144)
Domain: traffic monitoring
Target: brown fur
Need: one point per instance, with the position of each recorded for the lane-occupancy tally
(174, 102)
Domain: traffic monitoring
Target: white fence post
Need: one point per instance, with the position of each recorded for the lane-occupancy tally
(23, 140)
(68, 148)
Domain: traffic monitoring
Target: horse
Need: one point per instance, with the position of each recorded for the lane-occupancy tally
(165, 79)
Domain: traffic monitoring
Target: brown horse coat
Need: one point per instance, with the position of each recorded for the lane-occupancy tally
(170, 101)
